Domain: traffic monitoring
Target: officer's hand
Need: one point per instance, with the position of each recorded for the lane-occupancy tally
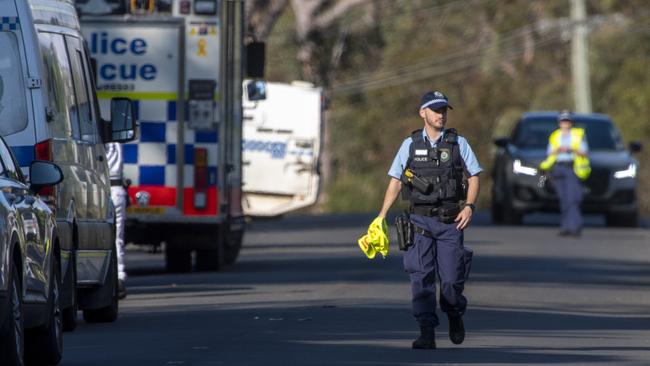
(463, 218)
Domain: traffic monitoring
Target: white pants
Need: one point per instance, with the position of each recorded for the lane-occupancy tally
(118, 196)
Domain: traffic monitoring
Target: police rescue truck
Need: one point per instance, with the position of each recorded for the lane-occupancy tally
(282, 143)
(182, 63)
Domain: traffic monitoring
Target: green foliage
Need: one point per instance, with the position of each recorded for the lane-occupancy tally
(494, 59)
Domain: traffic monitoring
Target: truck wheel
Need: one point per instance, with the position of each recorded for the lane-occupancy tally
(12, 338)
(109, 313)
(207, 260)
(70, 313)
(45, 344)
(177, 260)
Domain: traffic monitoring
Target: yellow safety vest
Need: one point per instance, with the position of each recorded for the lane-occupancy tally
(581, 166)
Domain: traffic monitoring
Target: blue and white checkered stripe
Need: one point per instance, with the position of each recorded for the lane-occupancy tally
(152, 159)
(9, 24)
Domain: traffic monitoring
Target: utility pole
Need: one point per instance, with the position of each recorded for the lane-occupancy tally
(579, 58)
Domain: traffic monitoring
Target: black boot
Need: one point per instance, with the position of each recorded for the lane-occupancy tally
(456, 329)
(427, 338)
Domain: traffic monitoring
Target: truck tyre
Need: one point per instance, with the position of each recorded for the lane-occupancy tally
(12, 338)
(207, 260)
(45, 344)
(177, 260)
(70, 313)
(109, 313)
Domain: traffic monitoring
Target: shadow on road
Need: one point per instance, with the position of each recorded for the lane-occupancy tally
(288, 335)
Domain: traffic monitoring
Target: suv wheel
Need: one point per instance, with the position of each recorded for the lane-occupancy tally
(12, 339)
(630, 219)
(45, 344)
(511, 216)
(497, 213)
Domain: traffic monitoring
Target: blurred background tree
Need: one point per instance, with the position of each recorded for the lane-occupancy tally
(494, 59)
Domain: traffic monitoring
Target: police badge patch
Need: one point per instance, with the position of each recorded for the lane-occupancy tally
(444, 155)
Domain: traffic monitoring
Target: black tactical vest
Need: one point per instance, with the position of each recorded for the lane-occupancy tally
(441, 166)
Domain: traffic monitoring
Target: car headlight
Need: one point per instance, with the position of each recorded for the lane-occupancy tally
(630, 172)
(518, 168)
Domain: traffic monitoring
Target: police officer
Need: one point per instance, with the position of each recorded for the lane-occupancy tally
(439, 212)
(568, 163)
(119, 197)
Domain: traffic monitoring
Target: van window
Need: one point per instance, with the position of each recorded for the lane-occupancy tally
(58, 81)
(82, 91)
(13, 105)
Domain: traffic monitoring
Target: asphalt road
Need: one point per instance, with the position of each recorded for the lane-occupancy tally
(303, 294)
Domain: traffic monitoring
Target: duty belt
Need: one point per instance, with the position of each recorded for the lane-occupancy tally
(422, 232)
(117, 182)
(424, 210)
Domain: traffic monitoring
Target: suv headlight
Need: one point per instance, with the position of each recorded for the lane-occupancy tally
(518, 168)
(630, 172)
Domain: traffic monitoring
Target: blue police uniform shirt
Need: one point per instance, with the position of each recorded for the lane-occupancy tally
(472, 166)
(565, 141)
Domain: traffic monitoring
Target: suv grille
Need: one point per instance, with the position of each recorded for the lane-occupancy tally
(598, 181)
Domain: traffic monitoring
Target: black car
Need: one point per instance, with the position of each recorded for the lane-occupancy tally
(30, 271)
(519, 187)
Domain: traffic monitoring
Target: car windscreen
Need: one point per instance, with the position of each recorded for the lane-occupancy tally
(13, 105)
(534, 133)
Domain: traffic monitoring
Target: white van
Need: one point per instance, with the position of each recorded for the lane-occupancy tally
(49, 111)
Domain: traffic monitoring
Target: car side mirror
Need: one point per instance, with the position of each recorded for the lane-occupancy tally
(502, 141)
(123, 125)
(43, 174)
(635, 146)
(256, 90)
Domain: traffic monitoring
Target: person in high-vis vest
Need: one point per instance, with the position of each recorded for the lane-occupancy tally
(568, 164)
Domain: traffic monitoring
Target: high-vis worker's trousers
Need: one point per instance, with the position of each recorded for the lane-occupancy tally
(569, 193)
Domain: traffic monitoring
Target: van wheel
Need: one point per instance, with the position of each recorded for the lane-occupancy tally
(70, 313)
(177, 260)
(45, 344)
(109, 313)
(12, 338)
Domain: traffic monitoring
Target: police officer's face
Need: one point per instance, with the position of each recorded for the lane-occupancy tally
(434, 118)
(565, 124)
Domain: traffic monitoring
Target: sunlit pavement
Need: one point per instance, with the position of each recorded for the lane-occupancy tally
(302, 293)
